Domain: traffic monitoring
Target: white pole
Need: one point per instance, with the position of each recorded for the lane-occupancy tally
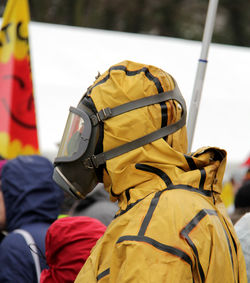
(200, 73)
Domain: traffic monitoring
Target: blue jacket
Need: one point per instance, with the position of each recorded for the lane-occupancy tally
(32, 202)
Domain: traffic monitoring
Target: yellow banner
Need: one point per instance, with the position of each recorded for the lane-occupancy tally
(18, 132)
(14, 31)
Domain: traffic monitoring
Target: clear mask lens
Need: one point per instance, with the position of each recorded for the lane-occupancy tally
(72, 136)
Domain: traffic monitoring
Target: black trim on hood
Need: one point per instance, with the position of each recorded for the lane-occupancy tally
(218, 154)
(127, 194)
(154, 170)
(164, 115)
(114, 194)
(130, 73)
(190, 162)
(152, 78)
(164, 111)
(203, 179)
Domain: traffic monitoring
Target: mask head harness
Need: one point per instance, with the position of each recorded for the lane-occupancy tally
(76, 162)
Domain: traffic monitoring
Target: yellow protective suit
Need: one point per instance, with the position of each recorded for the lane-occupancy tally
(172, 225)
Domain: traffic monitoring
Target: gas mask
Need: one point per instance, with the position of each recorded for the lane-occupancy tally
(78, 160)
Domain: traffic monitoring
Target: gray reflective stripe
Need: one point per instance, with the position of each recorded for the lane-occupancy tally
(30, 241)
(142, 102)
(97, 160)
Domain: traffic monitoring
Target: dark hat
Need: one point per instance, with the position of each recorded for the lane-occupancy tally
(242, 198)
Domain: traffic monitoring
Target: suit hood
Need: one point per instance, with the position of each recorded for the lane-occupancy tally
(140, 171)
(123, 83)
(30, 194)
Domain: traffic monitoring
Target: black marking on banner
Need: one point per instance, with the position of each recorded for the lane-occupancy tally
(190, 162)
(154, 170)
(18, 79)
(5, 30)
(103, 274)
(165, 248)
(15, 118)
(18, 33)
(149, 214)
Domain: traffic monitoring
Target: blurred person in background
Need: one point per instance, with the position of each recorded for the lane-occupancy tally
(128, 131)
(246, 164)
(69, 241)
(30, 202)
(242, 228)
(231, 184)
(96, 205)
(241, 202)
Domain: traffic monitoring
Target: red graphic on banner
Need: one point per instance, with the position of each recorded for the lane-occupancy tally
(16, 102)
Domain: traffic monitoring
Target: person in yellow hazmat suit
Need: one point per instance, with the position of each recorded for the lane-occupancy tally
(128, 131)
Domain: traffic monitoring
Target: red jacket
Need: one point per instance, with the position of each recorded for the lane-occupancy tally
(69, 241)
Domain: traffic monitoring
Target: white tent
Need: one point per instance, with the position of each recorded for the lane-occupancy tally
(65, 61)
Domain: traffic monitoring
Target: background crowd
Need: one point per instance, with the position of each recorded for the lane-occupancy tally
(61, 230)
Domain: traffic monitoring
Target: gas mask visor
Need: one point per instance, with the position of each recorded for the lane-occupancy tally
(76, 144)
(76, 161)
(76, 136)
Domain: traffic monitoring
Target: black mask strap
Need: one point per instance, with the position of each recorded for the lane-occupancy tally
(97, 160)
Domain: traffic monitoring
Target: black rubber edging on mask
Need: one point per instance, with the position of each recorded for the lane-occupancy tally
(87, 101)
